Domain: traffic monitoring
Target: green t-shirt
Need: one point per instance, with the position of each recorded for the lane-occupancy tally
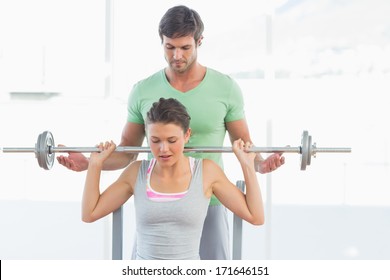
(214, 102)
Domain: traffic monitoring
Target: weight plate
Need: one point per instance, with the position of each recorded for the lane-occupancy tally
(304, 149)
(42, 150)
(310, 151)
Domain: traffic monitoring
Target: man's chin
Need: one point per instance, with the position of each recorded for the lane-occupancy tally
(179, 69)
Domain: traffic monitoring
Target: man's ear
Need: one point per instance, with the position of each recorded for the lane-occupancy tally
(200, 41)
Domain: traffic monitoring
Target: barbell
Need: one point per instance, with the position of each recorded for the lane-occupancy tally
(45, 150)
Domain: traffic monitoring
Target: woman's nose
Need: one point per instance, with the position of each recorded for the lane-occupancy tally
(163, 147)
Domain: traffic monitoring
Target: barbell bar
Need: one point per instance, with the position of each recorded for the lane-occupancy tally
(45, 150)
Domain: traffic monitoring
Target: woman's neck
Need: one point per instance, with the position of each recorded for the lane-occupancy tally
(180, 167)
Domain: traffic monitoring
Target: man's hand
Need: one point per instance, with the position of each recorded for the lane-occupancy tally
(269, 164)
(74, 161)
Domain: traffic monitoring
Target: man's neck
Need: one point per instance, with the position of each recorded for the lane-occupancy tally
(187, 80)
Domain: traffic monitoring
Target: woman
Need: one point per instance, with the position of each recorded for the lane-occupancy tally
(171, 191)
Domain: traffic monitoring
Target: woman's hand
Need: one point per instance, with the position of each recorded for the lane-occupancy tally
(106, 150)
(241, 150)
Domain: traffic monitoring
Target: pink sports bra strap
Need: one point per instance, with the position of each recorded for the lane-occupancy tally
(162, 197)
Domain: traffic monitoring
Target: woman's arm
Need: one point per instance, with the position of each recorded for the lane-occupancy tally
(96, 205)
(248, 206)
(239, 129)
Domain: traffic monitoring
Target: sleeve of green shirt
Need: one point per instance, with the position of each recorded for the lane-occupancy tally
(133, 107)
(236, 104)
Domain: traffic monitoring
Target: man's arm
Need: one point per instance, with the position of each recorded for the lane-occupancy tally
(239, 129)
(133, 134)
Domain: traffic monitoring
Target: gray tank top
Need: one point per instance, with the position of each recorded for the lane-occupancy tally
(170, 229)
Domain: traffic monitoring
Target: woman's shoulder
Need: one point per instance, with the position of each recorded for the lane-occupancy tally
(209, 164)
(134, 166)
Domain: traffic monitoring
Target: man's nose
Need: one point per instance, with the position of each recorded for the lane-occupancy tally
(177, 54)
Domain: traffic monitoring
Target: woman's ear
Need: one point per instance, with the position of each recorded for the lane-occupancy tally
(187, 135)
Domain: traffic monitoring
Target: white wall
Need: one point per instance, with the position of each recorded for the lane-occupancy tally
(336, 209)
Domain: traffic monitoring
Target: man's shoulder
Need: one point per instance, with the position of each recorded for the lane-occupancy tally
(215, 74)
(150, 80)
(221, 82)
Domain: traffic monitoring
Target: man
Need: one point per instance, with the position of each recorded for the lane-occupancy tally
(214, 102)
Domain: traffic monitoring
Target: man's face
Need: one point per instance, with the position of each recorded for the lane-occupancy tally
(180, 53)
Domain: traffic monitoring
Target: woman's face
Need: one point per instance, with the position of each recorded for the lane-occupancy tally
(167, 142)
